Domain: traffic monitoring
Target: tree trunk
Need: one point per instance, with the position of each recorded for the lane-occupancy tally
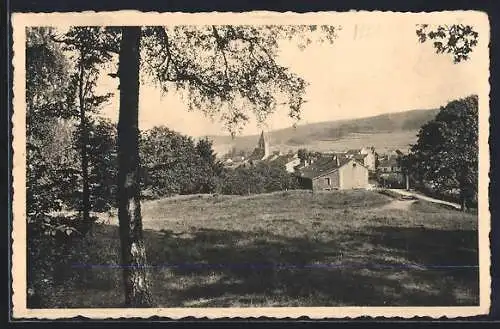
(133, 251)
(84, 142)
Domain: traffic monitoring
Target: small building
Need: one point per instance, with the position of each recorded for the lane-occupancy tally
(292, 164)
(370, 158)
(365, 155)
(289, 161)
(390, 173)
(389, 164)
(334, 173)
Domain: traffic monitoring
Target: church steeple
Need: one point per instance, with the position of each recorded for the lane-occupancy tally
(264, 145)
(262, 141)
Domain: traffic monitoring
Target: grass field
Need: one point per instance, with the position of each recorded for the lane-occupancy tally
(290, 248)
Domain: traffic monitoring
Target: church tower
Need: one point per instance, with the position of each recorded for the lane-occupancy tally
(264, 145)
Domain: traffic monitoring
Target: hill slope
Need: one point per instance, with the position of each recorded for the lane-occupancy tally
(386, 131)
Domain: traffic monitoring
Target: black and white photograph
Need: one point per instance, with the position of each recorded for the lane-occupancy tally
(251, 164)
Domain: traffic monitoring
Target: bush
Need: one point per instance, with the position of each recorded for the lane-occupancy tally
(260, 178)
(176, 164)
(48, 240)
(59, 259)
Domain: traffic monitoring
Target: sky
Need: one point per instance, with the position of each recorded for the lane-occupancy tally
(368, 70)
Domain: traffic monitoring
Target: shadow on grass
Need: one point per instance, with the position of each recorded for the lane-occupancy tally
(231, 268)
(431, 247)
(222, 268)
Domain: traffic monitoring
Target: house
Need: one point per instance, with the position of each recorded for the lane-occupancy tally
(389, 164)
(365, 155)
(390, 172)
(370, 158)
(334, 173)
(292, 164)
(290, 161)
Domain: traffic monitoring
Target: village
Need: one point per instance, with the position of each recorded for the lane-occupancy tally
(362, 168)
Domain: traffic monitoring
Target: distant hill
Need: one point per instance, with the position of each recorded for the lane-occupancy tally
(386, 131)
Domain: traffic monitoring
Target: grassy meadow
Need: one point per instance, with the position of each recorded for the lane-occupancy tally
(294, 248)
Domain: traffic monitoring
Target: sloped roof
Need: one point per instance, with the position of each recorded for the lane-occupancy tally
(284, 158)
(322, 166)
(360, 156)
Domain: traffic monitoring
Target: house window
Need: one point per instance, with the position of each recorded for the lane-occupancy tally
(328, 182)
(354, 165)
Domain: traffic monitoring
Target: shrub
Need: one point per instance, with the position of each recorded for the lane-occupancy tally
(259, 178)
(176, 164)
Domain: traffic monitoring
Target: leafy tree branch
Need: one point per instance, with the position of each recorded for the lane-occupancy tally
(456, 39)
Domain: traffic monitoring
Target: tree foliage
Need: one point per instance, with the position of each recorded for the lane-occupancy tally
(48, 174)
(303, 154)
(457, 39)
(210, 168)
(230, 71)
(92, 49)
(175, 164)
(446, 154)
(103, 169)
(89, 46)
(48, 99)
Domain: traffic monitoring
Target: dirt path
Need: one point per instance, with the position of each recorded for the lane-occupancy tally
(399, 204)
(425, 198)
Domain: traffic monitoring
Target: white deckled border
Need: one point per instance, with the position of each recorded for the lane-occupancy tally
(21, 20)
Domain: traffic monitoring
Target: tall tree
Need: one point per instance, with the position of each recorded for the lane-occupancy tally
(446, 153)
(223, 70)
(209, 168)
(133, 250)
(91, 46)
(456, 39)
(303, 155)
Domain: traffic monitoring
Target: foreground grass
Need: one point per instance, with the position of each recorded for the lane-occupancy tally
(279, 250)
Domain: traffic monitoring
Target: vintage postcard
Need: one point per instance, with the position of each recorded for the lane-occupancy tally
(326, 165)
